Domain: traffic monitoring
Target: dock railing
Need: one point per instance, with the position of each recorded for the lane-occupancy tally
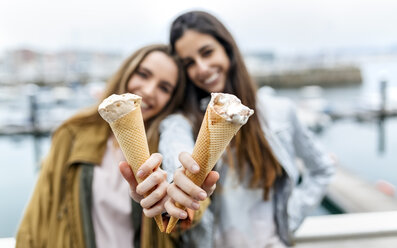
(374, 229)
(369, 230)
(369, 219)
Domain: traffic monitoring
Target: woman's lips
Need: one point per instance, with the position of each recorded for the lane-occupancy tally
(144, 105)
(212, 78)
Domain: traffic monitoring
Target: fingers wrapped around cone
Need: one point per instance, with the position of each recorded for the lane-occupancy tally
(123, 113)
(223, 118)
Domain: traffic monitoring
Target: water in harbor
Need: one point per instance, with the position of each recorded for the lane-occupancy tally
(18, 172)
(358, 149)
(358, 146)
(366, 148)
(20, 155)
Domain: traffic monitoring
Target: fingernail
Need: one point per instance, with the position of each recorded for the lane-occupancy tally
(182, 215)
(195, 205)
(139, 173)
(202, 195)
(195, 168)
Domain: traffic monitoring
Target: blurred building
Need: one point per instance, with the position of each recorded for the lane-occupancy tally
(24, 66)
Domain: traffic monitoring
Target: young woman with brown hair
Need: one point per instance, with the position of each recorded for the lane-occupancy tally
(261, 201)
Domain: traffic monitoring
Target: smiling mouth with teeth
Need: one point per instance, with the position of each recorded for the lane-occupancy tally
(212, 78)
(144, 105)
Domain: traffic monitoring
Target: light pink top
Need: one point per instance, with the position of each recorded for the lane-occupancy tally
(111, 203)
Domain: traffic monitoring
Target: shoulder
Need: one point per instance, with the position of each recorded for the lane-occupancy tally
(276, 110)
(90, 131)
(65, 129)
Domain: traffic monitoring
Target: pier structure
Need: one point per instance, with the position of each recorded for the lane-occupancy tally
(369, 219)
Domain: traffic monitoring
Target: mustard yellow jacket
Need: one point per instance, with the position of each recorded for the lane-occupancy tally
(59, 211)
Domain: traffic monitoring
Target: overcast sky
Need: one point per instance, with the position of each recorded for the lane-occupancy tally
(282, 26)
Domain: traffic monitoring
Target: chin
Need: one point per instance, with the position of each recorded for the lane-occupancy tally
(212, 89)
(217, 89)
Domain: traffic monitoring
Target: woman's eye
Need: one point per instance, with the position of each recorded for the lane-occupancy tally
(165, 89)
(142, 74)
(207, 53)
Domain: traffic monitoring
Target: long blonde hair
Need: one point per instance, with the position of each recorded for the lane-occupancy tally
(118, 83)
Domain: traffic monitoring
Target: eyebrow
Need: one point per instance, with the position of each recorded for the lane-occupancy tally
(201, 49)
(204, 48)
(148, 71)
(145, 69)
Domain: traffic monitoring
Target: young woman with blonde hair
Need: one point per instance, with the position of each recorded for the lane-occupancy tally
(81, 199)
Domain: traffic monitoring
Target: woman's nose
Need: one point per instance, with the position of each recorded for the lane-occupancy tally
(202, 68)
(148, 88)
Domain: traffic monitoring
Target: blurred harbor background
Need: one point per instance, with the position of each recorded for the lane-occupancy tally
(346, 93)
(39, 91)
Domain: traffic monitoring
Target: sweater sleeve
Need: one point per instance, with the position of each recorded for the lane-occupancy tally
(176, 136)
(42, 207)
(318, 169)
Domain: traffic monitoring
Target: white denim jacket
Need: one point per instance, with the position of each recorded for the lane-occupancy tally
(289, 140)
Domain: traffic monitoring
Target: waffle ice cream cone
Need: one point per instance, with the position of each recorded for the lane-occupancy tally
(224, 116)
(123, 113)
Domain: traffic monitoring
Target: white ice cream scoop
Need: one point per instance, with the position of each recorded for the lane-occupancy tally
(116, 106)
(230, 108)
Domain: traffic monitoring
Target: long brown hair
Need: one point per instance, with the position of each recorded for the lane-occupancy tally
(118, 83)
(250, 143)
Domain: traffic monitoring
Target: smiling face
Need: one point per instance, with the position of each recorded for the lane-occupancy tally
(154, 80)
(205, 60)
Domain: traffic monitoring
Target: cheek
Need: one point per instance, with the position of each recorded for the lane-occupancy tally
(226, 62)
(227, 66)
(191, 73)
(132, 84)
(130, 89)
(162, 100)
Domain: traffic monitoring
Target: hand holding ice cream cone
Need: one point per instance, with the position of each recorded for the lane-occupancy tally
(123, 113)
(223, 118)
